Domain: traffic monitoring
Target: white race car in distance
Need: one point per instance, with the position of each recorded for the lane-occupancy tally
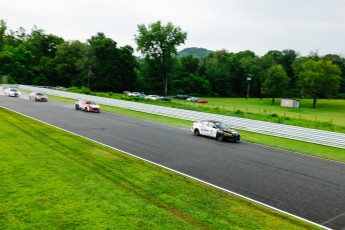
(11, 92)
(216, 129)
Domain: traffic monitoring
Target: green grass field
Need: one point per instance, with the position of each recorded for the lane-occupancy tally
(51, 179)
(328, 110)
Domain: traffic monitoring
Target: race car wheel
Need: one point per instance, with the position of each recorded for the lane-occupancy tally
(196, 132)
(76, 107)
(86, 109)
(220, 137)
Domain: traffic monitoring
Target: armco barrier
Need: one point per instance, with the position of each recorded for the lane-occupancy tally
(326, 138)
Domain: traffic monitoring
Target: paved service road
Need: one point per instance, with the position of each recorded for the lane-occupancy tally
(305, 186)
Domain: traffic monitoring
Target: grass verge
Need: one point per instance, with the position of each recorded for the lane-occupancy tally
(56, 180)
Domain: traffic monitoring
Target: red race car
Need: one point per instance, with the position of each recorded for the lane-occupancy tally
(38, 97)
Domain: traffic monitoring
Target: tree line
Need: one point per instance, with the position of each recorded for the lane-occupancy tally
(38, 58)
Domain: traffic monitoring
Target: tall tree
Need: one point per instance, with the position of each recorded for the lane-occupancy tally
(72, 61)
(339, 61)
(127, 68)
(217, 72)
(3, 28)
(104, 68)
(276, 82)
(16, 62)
(41, 44)
(113, 68)
(265, 62)
(158, 43)
(286, 58)
(317, 78)
(186, 78)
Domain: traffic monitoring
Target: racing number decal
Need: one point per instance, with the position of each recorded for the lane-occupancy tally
(213, 132)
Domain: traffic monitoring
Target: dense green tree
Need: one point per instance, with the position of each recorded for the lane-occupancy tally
(113, 69)
(104, 68)
(236, 68)
(16, 38)
(151, 81)
(217, 72)
(17, 63)
(3, 28)
(43, 48)
(41, 44)
(276, 82)
(264, 63)
(128, 69)
(72, 62)
(189, 64)
(192, 84)
(340, 62)
(286, 58)
(186, 78)
(158, 44)
(317, 78)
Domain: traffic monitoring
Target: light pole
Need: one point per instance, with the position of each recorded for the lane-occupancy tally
(248, 86)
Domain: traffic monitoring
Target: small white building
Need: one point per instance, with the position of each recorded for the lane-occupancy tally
(289, 103)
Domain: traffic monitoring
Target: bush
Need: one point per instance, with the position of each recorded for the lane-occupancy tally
(340, 96)
(239, 113)
(85, 90)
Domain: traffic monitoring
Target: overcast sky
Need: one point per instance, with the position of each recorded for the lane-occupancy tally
(235, 25)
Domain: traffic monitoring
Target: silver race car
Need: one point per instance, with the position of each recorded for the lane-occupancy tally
(11, 92)
(215, 129)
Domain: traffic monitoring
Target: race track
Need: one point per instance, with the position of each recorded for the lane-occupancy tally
(308, 187)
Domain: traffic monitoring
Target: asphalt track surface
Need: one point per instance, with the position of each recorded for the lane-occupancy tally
(308, 187)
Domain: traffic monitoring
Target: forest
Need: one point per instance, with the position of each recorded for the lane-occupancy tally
(38, 58)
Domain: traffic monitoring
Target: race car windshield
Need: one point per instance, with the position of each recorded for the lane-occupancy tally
(13, 90)
(90, 103)
(39, 94)
(222, 125)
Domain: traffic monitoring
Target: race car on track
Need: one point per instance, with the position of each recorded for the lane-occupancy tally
(87, 106)
(215, 129)
(11, 92)
(38, 96)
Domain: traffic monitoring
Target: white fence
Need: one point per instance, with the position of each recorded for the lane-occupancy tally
(326, 138)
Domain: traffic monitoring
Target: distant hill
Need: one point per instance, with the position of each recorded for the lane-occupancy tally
(194, 51)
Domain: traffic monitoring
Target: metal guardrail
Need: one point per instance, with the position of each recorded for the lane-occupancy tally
(315, 136)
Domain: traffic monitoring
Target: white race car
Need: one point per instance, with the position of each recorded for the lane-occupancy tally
(11, 92)
(216, 129)
(87, 106)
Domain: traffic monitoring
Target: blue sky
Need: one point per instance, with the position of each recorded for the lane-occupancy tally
(235, 25)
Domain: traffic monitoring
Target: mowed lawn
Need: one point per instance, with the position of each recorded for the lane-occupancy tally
(51, 179)
(327, 110)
